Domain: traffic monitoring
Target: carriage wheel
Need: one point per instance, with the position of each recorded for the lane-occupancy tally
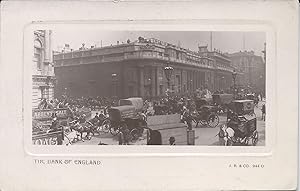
(213, 120)
(134, 133)
(113, 130)
(67, 140)
(202, 122)
(254, 138)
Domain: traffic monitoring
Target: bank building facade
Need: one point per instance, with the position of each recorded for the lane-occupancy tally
(138, 69)
(43, 78)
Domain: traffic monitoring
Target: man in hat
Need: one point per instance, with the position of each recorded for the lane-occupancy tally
(172, 140)
(55, 124)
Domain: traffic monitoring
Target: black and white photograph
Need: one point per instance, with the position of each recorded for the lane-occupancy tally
(149, 95)
(103, 87)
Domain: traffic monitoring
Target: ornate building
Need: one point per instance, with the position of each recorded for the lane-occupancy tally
(222, 78)
(42, 68)
(253, 67)
(136, 69)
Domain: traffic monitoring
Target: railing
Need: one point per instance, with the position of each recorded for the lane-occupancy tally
(150, 55)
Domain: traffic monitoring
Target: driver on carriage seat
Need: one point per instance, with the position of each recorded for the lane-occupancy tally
(82, 118)
(101, 116)
(96, 116)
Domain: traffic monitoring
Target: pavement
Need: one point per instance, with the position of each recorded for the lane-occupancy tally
(203, 135)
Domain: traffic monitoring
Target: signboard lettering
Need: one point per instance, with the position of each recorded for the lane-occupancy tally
(46, 141)
(47, 114)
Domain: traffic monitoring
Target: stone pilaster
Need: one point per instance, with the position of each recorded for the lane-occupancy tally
(141, 81)
(153, 81)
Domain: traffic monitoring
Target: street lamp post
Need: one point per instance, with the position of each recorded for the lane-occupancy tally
(234, 74)
(114, 86)
(66, 89)
(222, 83)
(168, 72)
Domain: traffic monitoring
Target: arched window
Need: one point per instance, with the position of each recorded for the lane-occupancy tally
(38, 54)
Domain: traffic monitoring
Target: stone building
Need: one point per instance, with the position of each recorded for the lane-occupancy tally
(222, 77)
(136, 69)
(42, 68)
(253, 67)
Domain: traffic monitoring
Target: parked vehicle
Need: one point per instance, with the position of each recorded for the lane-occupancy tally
(127, 119)
(205, 114)
(222, 101)
(137, 102)
(240, 128)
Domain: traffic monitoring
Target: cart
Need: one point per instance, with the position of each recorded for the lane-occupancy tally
(241, 125)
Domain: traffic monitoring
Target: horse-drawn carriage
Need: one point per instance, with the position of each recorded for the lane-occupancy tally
(222, 101)
(240, 128)
(207, 114)
(202, 112)
(252, 97)
(127, 119)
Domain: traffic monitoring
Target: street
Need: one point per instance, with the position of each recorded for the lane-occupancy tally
(203, 135)
(208, 136)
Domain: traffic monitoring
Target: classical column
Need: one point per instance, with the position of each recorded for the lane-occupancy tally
(153, 81)
(158, 79)
(141, 81)
(195, 80)
(181, 81)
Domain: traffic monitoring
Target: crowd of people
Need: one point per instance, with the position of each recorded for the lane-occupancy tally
(168, 104)
(78, 103)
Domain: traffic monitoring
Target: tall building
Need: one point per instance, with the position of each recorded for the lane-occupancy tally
(253, 67)
(43, 78)
(135, 69)
(222, 77)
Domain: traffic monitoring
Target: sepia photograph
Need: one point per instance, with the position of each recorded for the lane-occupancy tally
(101, 87)
(149, 95)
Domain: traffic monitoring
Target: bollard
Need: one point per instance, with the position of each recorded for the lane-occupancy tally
(121, 138)
(191, 137)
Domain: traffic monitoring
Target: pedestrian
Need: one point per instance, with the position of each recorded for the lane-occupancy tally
(96, 117)
(186, 117)
(54, 125)
(101, 116)
(172, 140)
(263, 111)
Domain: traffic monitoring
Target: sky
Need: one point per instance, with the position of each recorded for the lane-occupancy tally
(229, 42)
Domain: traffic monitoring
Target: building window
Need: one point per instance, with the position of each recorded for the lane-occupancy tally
(44, 93)
(38, 54)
